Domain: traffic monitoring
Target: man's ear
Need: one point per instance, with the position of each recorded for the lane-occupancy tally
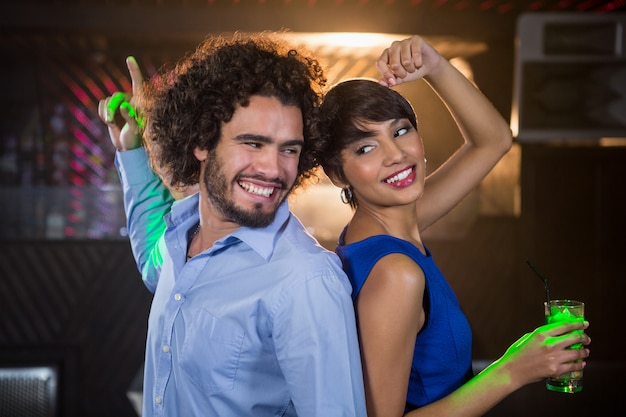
(200, 154)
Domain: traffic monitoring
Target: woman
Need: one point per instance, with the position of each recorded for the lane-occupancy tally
(415, 341)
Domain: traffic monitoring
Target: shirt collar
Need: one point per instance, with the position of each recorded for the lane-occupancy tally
(260, 239)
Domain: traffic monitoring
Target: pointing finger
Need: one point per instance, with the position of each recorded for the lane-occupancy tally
(135, 75)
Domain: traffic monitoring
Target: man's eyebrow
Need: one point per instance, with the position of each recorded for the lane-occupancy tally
(244, 137)
(294, 142)
(265, 139)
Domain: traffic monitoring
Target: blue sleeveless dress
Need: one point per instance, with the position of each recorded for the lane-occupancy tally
(442, 359)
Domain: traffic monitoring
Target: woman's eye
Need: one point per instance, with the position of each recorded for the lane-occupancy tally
(364, 149)
(401, 132)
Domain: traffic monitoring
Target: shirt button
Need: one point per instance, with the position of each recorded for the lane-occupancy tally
(166, 348)
(158, 399)
(177, 297)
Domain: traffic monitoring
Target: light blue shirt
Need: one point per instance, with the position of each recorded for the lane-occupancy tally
(260, 324)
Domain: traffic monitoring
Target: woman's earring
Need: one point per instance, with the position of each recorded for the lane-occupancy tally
(346, 195)
(425, 161)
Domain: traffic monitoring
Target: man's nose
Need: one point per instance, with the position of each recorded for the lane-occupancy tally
(268, 163)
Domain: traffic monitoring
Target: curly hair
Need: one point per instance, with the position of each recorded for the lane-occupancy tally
(185, 107)
(345, 107)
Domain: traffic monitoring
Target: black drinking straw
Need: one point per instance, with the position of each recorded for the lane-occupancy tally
(544, 279)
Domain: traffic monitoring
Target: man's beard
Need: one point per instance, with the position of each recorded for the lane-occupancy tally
(217, 188)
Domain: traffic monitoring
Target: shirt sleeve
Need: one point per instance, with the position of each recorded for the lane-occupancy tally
(146, 201)
(317, 348)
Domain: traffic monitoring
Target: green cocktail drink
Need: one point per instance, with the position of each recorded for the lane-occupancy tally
(565, 310)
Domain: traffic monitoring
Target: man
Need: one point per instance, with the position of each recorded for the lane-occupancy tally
(250, 316)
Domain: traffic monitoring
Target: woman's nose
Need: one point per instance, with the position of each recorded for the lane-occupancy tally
(393, 153)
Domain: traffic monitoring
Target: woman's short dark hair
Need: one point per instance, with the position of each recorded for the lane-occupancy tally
(345, 107)
(185, 107)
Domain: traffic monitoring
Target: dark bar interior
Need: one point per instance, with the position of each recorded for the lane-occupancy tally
(73, 309)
